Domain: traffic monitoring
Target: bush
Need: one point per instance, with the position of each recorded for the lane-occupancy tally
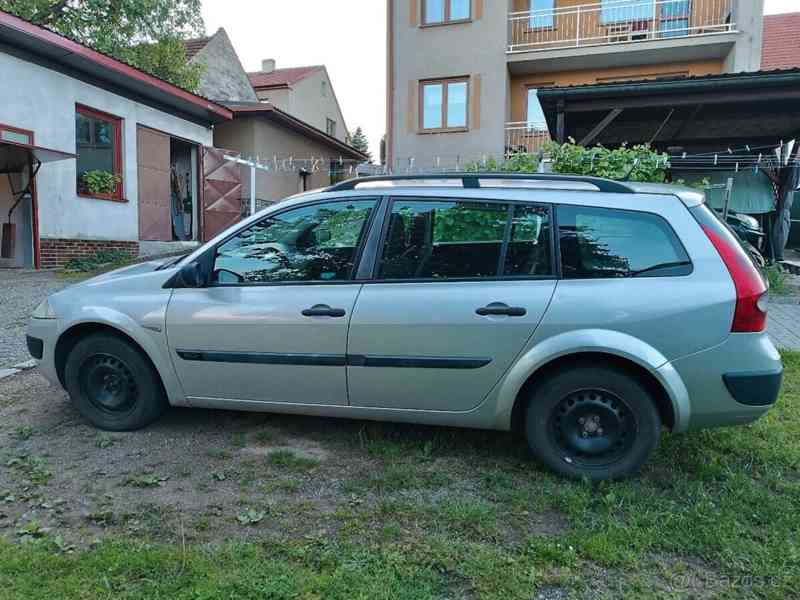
(639, 163)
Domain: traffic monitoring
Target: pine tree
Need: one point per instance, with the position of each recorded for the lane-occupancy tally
(360, 142)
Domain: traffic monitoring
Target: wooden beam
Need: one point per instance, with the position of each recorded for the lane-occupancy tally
(661, 127)
(601, 127)
(560, 123)
(683, 126)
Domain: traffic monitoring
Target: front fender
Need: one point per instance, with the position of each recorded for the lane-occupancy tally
(602, 341)
(148, 332)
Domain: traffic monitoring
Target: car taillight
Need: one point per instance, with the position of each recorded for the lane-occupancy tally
(751, 310)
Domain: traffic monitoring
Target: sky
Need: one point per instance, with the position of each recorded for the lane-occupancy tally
(348, 36)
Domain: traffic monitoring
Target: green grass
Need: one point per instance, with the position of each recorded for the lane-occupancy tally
(449, 514)
(290, 461)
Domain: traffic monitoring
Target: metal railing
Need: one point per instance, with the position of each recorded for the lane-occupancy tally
(525, 137)
(617, 22)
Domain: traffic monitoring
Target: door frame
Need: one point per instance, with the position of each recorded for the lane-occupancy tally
(37, 248)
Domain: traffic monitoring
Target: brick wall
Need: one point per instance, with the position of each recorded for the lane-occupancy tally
(56, 252)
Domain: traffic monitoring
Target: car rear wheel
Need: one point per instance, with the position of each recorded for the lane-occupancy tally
(592, 423)
(113, 384)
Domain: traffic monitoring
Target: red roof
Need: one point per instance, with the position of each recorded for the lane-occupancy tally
(781, 41)
(194, 46)
(281, 77)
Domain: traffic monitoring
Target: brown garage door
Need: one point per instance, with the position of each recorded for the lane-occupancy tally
(155, 217)
(222, 192)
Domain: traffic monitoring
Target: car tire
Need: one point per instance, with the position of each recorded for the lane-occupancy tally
(113, 384)
(591, 422)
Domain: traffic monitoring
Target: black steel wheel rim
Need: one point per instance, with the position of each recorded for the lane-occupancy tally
(108, 383)
(592, 428)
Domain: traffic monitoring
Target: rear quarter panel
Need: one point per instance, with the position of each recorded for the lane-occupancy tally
(650, 320)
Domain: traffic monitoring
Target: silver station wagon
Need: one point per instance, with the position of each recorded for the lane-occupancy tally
(588, 314)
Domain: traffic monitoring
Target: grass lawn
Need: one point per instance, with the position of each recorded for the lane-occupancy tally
(442, 513)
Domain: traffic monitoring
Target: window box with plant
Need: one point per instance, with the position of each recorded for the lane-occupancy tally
(98, 140)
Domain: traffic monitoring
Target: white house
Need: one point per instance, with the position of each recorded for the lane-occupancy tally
(67, 110)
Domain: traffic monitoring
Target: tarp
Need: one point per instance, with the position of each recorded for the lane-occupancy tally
(752, 192)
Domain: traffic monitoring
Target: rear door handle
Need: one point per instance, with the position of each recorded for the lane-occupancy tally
(323, 310)
(501, 309)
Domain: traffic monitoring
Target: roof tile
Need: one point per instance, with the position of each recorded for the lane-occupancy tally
(281, 77)
(781, 41)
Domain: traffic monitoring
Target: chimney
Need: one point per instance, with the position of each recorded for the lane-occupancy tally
(268, 65)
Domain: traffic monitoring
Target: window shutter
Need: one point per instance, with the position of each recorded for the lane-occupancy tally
(412, 108)
(413, 13)
(475, 101)
(477, 13)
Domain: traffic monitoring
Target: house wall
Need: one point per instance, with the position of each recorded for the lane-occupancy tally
(43, 101)
(474, 49)
(477, 49)
(257, 136)
(310, 104)
(224, 77)
(520, 84)
(279, 97)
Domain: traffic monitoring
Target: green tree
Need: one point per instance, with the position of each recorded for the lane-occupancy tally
(147, 34)
(360, 142)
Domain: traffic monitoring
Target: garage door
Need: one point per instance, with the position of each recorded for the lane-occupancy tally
(222, 192)
(155, 218)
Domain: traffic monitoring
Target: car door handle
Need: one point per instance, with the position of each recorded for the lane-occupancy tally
(323, 310)
(501, 309)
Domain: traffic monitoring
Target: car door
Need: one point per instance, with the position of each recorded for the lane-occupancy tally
(459, 287)
(272, 324)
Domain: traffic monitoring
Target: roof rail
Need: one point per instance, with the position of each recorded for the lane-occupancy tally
(472, 180)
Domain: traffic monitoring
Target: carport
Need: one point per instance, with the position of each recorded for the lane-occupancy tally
(718, 126)
(20, 161)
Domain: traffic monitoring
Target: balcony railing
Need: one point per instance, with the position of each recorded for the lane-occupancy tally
(617, 22)
(525, 137)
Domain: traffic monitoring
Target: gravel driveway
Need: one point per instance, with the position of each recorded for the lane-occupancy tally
(20, 292)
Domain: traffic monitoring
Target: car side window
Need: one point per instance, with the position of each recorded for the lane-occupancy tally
(609, 243)
(311, 243)
(459, 239)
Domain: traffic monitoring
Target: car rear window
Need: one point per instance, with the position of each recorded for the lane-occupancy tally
(609, 243)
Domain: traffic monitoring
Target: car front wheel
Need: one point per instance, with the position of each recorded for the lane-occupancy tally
(592, 423)
(113, 384)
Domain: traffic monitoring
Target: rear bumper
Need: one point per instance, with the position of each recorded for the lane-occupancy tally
(733, 383)
(754, 389)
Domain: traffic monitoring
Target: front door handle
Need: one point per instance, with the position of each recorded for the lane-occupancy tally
(501, 309)
(323, 310)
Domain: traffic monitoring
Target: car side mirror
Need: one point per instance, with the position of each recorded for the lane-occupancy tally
(190, 276)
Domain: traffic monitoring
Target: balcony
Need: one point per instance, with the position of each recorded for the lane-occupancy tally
(618, 22)
(525, 137)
